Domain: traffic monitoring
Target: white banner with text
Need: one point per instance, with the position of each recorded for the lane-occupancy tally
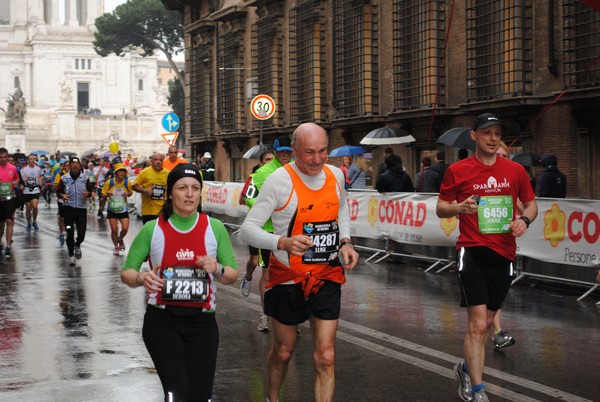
(566, 231)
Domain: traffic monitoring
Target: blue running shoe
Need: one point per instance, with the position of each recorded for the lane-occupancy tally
(28, 229)
(35, 226)
(7, 251)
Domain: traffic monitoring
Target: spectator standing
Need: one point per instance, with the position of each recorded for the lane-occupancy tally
(306, 202)
(395, 179)
(440, 167)
(382, 166)
(428, 181)
(552, 182)
(486, 246)
(346, 163)
(207, 167)
(357, 173)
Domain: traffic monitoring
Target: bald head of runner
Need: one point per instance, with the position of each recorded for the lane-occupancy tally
(309, 143)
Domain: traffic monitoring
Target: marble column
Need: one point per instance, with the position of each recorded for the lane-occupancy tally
(71, 13)
(92, 12)
(54, 14)
(18, 13)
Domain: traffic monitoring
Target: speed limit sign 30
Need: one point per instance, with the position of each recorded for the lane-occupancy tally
(262, 107)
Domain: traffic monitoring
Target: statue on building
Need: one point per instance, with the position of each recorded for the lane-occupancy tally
(15, 112)
(66, 94)
(162, 94)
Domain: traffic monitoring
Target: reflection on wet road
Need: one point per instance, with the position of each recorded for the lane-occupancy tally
(74, 333)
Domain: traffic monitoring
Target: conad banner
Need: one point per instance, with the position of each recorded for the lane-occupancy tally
(566, 231)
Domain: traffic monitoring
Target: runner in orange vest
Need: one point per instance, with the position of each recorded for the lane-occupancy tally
(311, 247)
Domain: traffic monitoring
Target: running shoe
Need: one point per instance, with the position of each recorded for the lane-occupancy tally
(7, 251)
(245, 287)
(28, 229)
(116, 252)
(502, 340)
(35, 226)
(480, 396)
(263, 323)
(121, 245)
(61, 239)
(72, 260)
(77, 251)
(100, 214)
(464, 383)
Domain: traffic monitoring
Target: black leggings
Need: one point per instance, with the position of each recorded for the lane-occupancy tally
(184, 352)
(74, 217)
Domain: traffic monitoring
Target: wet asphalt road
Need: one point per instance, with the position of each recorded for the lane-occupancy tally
(74, 333)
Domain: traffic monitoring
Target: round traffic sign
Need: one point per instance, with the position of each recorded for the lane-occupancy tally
(262, 107)
(170, 122)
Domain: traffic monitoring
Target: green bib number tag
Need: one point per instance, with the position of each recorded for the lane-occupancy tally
(495, 214)
(5, 188)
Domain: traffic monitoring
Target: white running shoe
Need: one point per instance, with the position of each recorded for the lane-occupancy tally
(263, 323)
(245, 287)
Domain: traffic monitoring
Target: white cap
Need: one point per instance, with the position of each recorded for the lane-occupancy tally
(207, 155)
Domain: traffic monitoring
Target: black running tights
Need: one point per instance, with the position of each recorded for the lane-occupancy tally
(184, 352)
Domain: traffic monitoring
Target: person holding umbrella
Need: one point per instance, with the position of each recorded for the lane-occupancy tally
(357, 174)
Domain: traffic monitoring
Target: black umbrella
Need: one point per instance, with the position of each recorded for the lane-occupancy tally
(458, 137)
(68, 153)
(387, 136)
(256, 151)
(528, 159)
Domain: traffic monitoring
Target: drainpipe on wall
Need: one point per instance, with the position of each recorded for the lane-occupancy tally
(552, 65)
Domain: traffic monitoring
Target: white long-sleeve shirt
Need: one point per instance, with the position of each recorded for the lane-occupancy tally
(273, 195)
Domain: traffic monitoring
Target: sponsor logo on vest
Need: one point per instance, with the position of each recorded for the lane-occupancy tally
(186, 254)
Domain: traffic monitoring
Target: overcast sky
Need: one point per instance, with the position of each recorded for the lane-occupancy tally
(110, 5)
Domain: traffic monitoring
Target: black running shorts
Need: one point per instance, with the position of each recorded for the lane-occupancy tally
(286, 303)
(484, 277)
(114, 215)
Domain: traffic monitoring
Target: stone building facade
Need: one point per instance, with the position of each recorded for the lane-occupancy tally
(76, 99)
(426, 66)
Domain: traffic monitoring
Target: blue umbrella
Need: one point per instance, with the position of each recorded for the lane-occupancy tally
(347, 150)
(40, 152)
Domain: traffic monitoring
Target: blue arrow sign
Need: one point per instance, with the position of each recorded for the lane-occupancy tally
(170, 122)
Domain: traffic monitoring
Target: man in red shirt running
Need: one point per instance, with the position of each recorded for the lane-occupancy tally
(482, 191)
